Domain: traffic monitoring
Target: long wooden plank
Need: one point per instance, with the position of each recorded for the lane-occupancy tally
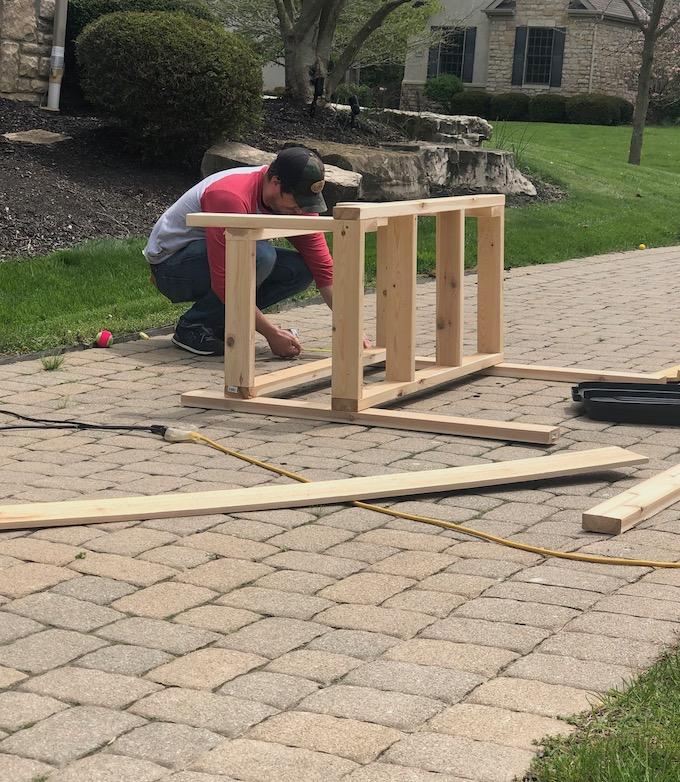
(427, 206)
(239, 323)
(636, 504)
(390, 419)
(53, 514)
(490, 255)
(238, 220)
(569, 374)
(305, 373)
(348, 312)
(450, 275)
(241, 234)
(401, 299)
(428, 377)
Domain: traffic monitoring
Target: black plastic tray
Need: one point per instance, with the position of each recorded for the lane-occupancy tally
(645, 403)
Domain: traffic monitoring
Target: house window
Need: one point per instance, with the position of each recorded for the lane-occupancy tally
(540, 41)
(454, 54)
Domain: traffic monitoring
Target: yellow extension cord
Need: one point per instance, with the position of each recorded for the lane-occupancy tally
(196, 437)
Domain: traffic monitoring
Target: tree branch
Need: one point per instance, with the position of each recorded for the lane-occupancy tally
(328, 23)
(308, 16)
(285, 20)
(357, 41)
(669, 24)
(631, 7)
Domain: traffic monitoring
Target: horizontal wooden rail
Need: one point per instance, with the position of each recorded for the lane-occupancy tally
(427, 206)
(232, 220)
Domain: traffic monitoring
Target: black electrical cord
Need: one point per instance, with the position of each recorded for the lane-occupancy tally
(48, 423)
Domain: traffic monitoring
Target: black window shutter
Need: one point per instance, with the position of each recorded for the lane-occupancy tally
(518, 58)
(559, 37)
(469, 54)
(433, 62)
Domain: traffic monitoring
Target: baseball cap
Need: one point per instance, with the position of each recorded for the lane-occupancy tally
(301, 172)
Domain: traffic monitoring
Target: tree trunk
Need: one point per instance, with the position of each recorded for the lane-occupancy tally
(300, 57)
(642, 100)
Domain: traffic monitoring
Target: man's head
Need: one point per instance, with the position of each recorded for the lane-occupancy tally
(294, 182)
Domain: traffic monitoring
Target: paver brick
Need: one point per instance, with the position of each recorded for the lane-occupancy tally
(275, 689)
(499, 726)
(48, 649)
(323, 667)
(387, 772)
(439, 604)
(18, 709)
(219, 713)
(197, 776)
(36, 550)
(205, 669)
(22, 769)
(565, 577)
(551, 700)
(275, 603)
(109, 768)
(158, 634)
(558, 669)
(273, 636)
(125, 659)
(621, 626)
(229, 545)
(10, 676)
(163, 742)
(632, 605)
(354, 643)
(366, 588)
(94, 589)
(178, 557)
(13, 626)
(295, 581)
(488, 568)
(221, 619)
(506, 610)
(431, 681)
(135, 571)
(482, 660)
(403, 624)
(86, 686)
(63, 611)
(458, 584)
(311, 537)
(129, 542)
(365, 704)
(544, 594)
(20, 580)
(480, 760)
(584, 646)
(162, 600)
(412, 541)
(70, 734)
(222, 575)
(364, 552)
(358, 741)
(414, 564)
(322, 564)
(260, 761)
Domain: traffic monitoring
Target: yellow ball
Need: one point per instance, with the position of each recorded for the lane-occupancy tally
(642, 247)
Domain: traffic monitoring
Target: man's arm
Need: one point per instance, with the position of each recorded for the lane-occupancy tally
(327, 296)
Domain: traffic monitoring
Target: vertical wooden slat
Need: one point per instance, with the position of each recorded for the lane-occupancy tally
(348, 315)
(239, 318)
(450, 271)
(401, 240)
(490, 258)
(381, 282)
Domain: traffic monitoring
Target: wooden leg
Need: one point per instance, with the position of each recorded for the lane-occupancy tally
(449, 272)
(239, 322)
(490, 257)
(381, 282)
(402, 239)
(348, 315)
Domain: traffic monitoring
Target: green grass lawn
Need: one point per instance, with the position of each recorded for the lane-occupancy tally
(70, 295)
(634, 737)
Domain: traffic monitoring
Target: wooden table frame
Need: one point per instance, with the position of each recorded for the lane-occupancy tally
(405, 373)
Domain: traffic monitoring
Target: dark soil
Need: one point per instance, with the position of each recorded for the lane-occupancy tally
(93, 185)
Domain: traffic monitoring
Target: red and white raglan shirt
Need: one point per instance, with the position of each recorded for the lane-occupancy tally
(237, 190)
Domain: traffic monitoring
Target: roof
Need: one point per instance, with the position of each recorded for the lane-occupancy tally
(609, 9)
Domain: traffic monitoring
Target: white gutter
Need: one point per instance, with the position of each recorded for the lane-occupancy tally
(57, 56)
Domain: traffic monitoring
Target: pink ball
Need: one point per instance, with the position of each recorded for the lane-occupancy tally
(104, 339)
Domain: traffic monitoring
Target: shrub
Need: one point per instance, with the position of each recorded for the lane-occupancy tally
(474, 103)
(547, 107)
(343, 92)
(510, 106)
(625, 109)
(592, 109)
(176, 82)
(442, 89)
(83, 12)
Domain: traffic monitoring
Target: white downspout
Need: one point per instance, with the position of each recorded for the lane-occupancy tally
(57, 56)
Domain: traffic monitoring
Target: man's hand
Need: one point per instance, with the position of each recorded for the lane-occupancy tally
(283, 343)
(367, 343)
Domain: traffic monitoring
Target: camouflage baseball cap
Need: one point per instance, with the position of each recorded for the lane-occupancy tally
(301, 172)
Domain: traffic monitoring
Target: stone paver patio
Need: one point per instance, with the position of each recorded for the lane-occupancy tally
(328, 643)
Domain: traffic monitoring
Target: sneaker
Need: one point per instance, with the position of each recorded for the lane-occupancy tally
(197, 338)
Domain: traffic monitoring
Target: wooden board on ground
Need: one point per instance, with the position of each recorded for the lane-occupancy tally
(93, 511)
(636, 504)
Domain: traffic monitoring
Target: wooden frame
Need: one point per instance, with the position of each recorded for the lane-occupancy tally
(295, 495)
(638, 503)
(352, 399)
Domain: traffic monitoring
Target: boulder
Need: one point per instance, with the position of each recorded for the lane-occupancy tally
(342, 184)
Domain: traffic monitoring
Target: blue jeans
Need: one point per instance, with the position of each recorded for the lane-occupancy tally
(185, 276)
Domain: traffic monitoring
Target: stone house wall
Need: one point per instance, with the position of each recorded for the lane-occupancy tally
(25, 46)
